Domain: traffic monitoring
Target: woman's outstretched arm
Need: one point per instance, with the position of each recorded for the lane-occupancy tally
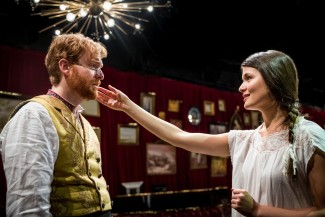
(195, 142)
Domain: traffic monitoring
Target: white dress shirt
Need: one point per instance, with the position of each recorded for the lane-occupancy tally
(29, 145)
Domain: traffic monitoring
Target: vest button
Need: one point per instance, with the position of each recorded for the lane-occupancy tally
(98, 188)
(98, 160)
(89, 173)
(99, 176)
(103, 205)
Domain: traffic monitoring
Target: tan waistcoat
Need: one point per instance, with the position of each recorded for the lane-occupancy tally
(78, 186)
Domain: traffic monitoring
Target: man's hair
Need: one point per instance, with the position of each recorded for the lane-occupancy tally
(70, 47)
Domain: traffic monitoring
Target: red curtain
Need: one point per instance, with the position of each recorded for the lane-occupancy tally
(23, 71)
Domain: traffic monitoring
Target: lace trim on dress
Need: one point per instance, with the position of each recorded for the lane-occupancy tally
(272, 142)
(276, 141)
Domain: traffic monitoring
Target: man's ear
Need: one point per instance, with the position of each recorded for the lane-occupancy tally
(64, 66)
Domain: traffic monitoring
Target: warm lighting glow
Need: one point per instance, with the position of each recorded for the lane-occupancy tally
(96, 18)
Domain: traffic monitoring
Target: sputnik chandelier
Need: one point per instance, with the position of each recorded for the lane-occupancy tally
(96, 18)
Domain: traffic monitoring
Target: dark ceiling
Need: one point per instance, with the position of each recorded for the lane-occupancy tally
(202, 43)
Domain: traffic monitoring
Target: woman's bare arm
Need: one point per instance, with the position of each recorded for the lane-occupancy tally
(195, 142)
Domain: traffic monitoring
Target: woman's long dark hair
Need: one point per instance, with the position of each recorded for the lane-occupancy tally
(281, 77)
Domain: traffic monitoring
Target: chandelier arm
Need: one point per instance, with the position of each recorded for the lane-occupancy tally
(121, 29)
(84, 24)
(88, 24)
(124, 15)
(52, 26)
(101, 22)
(72, 24)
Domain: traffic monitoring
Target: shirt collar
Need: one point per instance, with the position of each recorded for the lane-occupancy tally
(72, 107)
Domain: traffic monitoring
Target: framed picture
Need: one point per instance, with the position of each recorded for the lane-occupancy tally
(161, 159)
(218, 166)
(222, 105)
(98, 133)
(147, 101)
(128, 134)
(91, 108)
(247, 119)
(209, 108)
(236, 122)
(256, 118)
(173, 105)
(217, 128)
(178, 123)
(162, 115)
(8, 102)
(198, 161)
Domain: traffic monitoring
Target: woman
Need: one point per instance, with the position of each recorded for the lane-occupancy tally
(278, 168)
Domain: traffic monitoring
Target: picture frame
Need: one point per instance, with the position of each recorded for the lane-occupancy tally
(173, 105)
(91, 108)
(217, 128)
(236, 121)
(247, 119)
(219, 166)
(221, 105)
(161, 159)
(256, 119)
(209, 108)
(8, 102)
(98, 133)
(128, 134)
(147, 101)
(162, 115)
(198, 161)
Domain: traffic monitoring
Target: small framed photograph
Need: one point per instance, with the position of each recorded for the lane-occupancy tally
(128, 134)
(198, 161)
(209, 108)
(173, 105)
(162, 115)
(161, 159)
(178, 123)
(218, 166)
(91, 108)
(147, 101)
(222, 105)
(217, 128)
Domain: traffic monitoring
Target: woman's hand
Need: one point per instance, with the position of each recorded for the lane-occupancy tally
(243, 202)
(112, 98)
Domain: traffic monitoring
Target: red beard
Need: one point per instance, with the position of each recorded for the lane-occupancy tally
(84, 87)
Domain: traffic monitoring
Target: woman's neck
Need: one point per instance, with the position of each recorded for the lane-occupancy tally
(273, 122)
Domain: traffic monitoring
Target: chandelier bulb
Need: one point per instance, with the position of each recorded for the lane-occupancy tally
(70, 17)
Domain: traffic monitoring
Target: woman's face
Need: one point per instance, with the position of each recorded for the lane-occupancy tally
(255, 92)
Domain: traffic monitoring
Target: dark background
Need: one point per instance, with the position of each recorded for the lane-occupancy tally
(201, 43)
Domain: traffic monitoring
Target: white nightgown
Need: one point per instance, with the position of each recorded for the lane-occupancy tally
(259, 164)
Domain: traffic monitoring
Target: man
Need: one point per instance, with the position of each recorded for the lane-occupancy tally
(51, 154)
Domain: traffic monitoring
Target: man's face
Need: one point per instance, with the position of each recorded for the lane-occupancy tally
(85, 77)
(84, 85)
